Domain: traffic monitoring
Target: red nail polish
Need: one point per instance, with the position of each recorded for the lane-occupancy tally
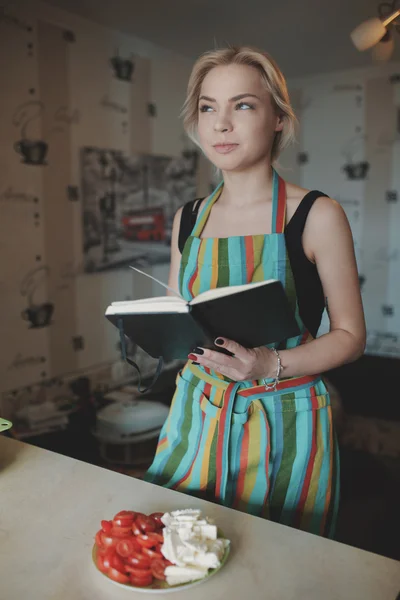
(192, 357)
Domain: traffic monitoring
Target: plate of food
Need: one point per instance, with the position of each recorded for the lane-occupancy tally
(159, 552)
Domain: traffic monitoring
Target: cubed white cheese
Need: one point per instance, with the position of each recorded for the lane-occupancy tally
(208, 559)
(184, 574)
(191, 544)
(187, 512)
(206, 531)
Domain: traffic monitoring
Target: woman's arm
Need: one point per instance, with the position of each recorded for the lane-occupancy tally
(173, 280)
(327, 240)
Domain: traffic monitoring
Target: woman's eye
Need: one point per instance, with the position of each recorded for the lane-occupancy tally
(205, 108)
(244, 105)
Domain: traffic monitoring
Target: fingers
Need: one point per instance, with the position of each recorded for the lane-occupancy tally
(204, 356)
(236, 349)
(218, 367)
(229, 366)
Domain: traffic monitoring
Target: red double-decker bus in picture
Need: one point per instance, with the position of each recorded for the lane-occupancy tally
(144, 225)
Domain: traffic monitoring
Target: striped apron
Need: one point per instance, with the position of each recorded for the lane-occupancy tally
(272, 454)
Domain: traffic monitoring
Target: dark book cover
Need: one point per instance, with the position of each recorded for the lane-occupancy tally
(252, 317)
(170, 335)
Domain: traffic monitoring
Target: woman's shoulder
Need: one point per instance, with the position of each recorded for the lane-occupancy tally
(325, 219)
(200, 202)
(322, 207)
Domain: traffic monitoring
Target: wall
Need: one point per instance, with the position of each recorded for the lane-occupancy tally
(349, 147)
(58, 87)
(60, 93)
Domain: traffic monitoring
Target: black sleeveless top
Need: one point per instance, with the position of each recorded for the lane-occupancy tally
(308, 285)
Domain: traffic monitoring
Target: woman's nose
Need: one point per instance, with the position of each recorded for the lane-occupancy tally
(222, 124)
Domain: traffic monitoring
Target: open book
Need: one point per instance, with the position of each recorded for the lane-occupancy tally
(254, 314)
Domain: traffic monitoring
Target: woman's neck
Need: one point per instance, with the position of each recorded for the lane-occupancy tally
(247, 187)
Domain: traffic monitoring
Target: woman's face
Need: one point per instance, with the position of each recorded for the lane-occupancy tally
(236, 119)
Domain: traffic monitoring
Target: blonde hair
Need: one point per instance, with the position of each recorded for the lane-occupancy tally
(271, 75)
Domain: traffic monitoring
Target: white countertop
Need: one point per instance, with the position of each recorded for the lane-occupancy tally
(51, 507)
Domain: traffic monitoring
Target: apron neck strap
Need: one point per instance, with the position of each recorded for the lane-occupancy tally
(205, 211)
(278, 203)
(278, 206)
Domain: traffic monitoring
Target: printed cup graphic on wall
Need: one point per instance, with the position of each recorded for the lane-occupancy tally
(38, 313)
(356, 168)
(123, 67)
(32, 149)
(33, 152)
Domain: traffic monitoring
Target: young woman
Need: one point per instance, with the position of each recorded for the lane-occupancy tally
(253, 430)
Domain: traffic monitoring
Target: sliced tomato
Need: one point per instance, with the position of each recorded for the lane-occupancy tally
(138, 572)
(157, 517)
(121, 532)
(107, 540)
(139, 560)
(116, 562)
(126, 514)
(122, 522)
(159, 536)
(139, 514)
(98, 540)
(145, 541)
(100, 563)
(152, 553)
(106, 526)
(158, 569)
(146, 523)
(150, 540)
(124, 518)
(142, 581)
(127, 546)
(136, 529)
(117, 576)
(107, 557)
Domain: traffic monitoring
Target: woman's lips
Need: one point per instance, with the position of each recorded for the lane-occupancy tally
(225, 148)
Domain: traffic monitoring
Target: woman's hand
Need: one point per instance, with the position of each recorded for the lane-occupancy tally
(246, 364)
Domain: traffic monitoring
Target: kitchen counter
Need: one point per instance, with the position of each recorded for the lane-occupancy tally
(51, 507)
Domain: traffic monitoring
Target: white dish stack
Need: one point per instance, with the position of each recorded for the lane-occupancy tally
(127, 429)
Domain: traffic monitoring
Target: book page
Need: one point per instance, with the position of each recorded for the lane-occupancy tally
(157, 281)
(227, 291)
(153, 299)
(152, 306)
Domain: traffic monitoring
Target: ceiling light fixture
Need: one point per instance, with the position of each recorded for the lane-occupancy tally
(376, 33)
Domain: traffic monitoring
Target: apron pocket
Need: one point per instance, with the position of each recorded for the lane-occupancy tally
(214, 412)
(211, 410)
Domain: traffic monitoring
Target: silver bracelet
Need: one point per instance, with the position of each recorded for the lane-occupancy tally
(272, 386)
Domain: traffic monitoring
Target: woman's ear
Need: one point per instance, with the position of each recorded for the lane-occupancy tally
(279, 123)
